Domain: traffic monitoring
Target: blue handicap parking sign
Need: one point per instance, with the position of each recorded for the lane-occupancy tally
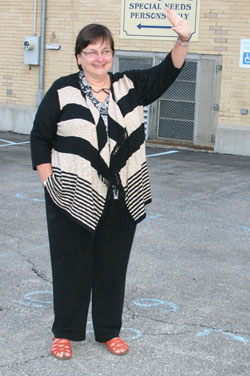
(246, 58)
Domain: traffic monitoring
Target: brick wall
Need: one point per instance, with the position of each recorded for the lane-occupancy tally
(222, 25)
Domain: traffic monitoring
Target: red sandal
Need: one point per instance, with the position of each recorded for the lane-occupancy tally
(115, 345)
(60, 345)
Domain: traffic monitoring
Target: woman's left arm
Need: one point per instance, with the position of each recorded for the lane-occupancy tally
(151, 83)
(182, 29)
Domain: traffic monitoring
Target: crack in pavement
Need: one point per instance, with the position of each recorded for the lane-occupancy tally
(38, 272)
(24, 362)
(192, 326)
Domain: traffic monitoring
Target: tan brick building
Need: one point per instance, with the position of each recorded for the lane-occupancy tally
(222, 25)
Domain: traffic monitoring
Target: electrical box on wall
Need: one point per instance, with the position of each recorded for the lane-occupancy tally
(31, 50)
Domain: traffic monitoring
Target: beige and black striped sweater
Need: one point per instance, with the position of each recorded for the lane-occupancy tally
(69, 132)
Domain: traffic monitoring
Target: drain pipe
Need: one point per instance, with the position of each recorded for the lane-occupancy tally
(40, 92)
(34, 18)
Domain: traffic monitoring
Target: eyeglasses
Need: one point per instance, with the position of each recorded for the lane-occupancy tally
(91, 54)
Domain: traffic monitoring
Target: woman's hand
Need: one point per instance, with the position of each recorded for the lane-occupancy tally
(180, 26)
(182, 29)
(44, 171)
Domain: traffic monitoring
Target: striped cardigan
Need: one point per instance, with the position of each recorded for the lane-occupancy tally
(65, 134)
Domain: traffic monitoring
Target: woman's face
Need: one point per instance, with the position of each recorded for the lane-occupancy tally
(96, 59)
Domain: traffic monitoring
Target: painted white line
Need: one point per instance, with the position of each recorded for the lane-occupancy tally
(15, 143)
(8, 142)
(164, 153)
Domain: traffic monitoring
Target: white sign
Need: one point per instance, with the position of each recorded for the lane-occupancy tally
(245, 53)
(146, 19)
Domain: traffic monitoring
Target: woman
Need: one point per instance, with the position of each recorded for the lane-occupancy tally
(88, 146)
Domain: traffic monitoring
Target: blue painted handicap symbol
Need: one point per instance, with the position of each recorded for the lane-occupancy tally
(246, 58)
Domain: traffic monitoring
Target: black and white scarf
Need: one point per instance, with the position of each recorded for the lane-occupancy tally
(109, 176)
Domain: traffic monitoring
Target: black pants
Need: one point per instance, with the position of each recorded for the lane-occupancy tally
(83, 263)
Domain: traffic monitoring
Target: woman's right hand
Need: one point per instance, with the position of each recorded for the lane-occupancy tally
(44, 171)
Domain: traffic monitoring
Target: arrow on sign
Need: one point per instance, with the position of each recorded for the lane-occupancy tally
(140, 26)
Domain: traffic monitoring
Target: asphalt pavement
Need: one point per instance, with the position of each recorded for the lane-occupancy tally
(187, 304)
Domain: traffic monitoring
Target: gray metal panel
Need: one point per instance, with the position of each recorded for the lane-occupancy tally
(207, 113)
(176, 107)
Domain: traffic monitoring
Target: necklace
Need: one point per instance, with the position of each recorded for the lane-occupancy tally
(105, 89)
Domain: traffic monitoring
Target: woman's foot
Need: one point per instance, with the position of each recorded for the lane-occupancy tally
(117, 346)
(61, 348)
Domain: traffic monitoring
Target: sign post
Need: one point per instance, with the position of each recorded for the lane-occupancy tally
(146, 19)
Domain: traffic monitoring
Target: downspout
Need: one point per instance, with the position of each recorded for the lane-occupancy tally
(34, 18)
(40, 92)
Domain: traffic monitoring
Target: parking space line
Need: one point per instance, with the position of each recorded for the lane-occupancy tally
(14, 143)
(164, 153)
(8, 142)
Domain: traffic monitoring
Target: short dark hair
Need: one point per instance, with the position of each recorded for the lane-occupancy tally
(90, 34)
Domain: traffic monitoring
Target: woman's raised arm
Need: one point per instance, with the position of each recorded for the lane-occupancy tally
(182, 29)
